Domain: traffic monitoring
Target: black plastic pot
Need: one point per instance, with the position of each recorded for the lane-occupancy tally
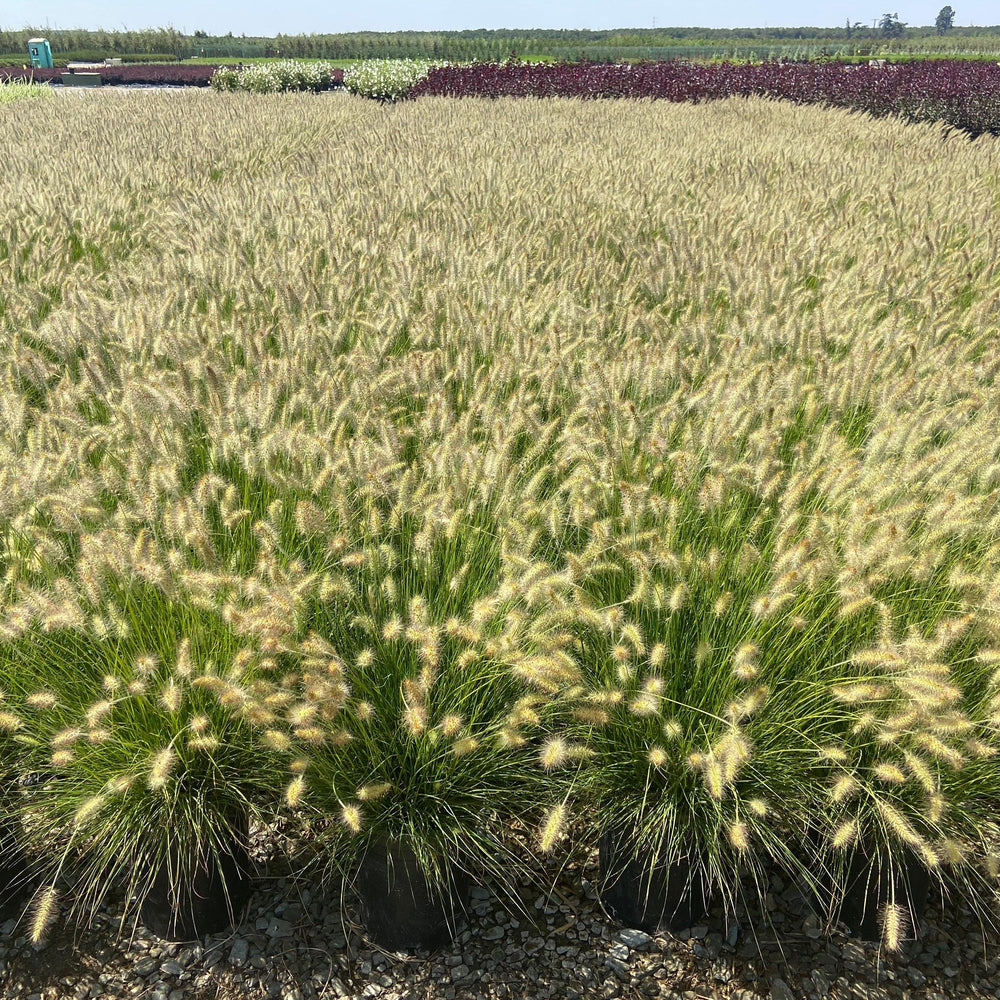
(211, 901)
(872, 882)
(641, 892)
(16, 881)
(399, 906)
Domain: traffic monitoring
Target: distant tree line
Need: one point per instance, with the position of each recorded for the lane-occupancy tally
(480, 44)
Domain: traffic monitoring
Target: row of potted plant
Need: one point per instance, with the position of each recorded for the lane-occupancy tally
(403, 674)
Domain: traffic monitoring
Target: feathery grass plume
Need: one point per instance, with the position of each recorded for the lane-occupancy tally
(88, 810)
(204, 742)
(350, 816)
(553, 828)
(9, 722)
(41, 700)
(739, 836)
(160, 767)
(894, 920)
(714, 774)
(96, 712)
(415, 719)
(44, 908)
(853, 694)
(898, 823)
(294, 791)
(276, 740)
(918, 767)
(889, 773)
(464, 746)
(369, 793)
(936, 804)
(732, 750)
(554, 753)
(938, 748)
(451, 725)
(121, 784)
(876, 658)
(745, 661)
(66, 737)
(751, 703)
(171, 697)
(591, 714)
(645, 703)
(845, 834)
(844, 786)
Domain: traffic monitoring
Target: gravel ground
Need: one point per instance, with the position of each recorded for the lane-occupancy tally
(298, 942)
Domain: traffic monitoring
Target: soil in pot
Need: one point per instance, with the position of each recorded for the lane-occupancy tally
(400, 908)
(640, 892)
(873, 882)
(211, 901)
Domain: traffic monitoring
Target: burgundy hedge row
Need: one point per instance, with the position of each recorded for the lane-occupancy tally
(175, 75)
(963, 94)
(188, 76)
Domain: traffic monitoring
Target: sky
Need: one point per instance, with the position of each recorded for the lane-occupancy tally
(264, 17)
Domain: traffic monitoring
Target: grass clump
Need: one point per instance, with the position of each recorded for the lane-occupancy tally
(135, 734)
(12, 91)
(421, 674)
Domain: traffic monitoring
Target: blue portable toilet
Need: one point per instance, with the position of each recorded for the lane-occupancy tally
(40, 52)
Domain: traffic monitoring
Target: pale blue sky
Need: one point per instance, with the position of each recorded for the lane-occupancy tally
(253, 17)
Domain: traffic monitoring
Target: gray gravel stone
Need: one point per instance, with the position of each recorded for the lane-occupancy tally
(635, 939)
(144, 967)
(278, 928)
(239, 952)
(618, 967)
(781, 991)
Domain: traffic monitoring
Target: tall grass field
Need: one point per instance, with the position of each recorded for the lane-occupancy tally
(482, 474)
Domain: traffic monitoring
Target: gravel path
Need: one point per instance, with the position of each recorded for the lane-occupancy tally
(298, 943)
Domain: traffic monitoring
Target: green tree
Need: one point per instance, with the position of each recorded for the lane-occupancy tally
(945, 20)
(890, 26)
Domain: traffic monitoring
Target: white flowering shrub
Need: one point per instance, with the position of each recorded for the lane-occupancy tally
(226, 78)
(386, 79)
(275, 77)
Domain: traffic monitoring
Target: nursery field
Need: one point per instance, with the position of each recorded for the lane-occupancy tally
(457, 483)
